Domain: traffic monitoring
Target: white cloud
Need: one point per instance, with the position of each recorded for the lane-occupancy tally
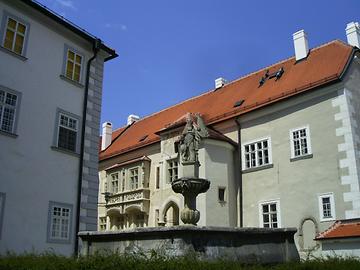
(123, 27)
(120, 26)
(66, 4)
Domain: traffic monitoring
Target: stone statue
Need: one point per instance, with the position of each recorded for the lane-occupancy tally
(191, 136)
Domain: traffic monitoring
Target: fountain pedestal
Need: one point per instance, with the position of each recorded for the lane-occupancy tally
(190, 188)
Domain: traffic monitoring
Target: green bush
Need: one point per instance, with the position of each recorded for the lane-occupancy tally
(50, 261)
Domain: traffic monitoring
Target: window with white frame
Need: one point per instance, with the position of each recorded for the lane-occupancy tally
(300, 142)
(67, 132)
(15, 33)
(270, 214)
(327, 207)
(102, 223)
(73, 67)
(257, 154)
(172, 169)
(114, 182)
(9, 102)
(60, 216)
(134, 178)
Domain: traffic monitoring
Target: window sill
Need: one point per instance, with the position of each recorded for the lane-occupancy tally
(327, 219)
(61, 150)
(9, 134)
(23, 58)
(301, 157)
(268, 166)
(80, 85)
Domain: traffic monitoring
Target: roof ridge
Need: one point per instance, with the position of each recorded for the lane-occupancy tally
(334, 226)
(236, 80)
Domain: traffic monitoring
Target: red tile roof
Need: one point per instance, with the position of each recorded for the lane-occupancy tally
(341, 229)
(324, 64)
(143, 158)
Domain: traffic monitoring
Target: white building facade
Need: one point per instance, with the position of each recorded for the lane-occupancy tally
(49, 69)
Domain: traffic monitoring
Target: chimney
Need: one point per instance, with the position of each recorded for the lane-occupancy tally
(132, 118)
(106, 135)
(301, 45)
(353, 34)
(219, 82)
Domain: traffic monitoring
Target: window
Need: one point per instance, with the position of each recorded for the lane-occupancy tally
(73, 64)
(300, 142)
(102, 224)
(115, 183)
(2, 209)
(221, 194)
(9, 104)
(134, 179)
(67, 137)
(257, 154)
(327, 207)
(59, 225)
(172, 170)
(123, 183)
(14, 34)
(270, 214)
(157, 185)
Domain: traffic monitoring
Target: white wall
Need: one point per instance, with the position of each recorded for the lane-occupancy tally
(32, 174)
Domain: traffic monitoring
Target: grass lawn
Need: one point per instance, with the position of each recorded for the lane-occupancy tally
(112, 262)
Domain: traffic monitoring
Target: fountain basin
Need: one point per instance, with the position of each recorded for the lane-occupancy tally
(246, 245)
(187, 185)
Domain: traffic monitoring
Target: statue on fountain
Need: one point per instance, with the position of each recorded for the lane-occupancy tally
(191, 136)
(190, 185)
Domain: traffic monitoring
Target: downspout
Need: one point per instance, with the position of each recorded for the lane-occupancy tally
(96, 48)
(240, 180)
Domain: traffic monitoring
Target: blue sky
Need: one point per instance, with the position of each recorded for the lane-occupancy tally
(172, 50)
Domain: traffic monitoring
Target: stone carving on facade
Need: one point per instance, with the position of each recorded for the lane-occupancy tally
(194, 131)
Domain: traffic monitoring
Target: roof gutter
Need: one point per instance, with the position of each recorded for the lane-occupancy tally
(69, 25)
(96, 48)
(346, 68)
(240, 178)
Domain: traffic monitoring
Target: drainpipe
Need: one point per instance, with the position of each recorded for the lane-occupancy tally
(96, 48)
(240, 179)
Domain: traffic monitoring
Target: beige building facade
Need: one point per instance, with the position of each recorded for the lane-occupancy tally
(286, 154)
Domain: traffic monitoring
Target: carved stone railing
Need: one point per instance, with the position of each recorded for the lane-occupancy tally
(122, 201)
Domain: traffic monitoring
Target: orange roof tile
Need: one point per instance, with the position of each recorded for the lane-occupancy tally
(323, 65)
(341, 229)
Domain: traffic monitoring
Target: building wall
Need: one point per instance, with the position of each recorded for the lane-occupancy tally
(348, 118)
(33, 171)
(219, 170)
(297, 184)
(341, 247)
(216, 164)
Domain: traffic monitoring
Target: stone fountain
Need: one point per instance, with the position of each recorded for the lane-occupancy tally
(190, 185)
